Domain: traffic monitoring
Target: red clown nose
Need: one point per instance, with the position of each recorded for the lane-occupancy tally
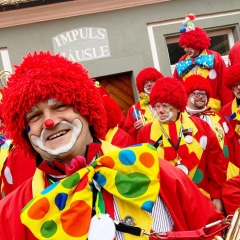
(49, 123)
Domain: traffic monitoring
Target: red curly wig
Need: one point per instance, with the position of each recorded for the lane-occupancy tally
(196, 39)
(234, 54)
(197, 82)
(169, 90)
(232, 76)
(42, 76)
(113, 111)
(145, 74)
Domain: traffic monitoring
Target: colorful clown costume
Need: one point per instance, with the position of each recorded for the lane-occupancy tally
(71, 196)
(230, 112)
(118, 137)
(199, 153)
(220, 94)
(140, 110)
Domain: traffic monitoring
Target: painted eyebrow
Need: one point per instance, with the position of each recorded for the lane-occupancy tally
(32, 110)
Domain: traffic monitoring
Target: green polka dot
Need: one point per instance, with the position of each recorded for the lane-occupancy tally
(151, 147)
(71, 181)
(198, 176)
(132, 185)
(225, 151)
(48, 229)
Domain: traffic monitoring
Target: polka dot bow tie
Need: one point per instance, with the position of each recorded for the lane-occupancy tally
(204, 61)
(64, 209)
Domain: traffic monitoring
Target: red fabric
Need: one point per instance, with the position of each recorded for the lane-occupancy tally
(226, 111)
(231, 195)
(213, 164)
(189, 209)
(21, 167)
(122, 139)
(234, 54)
(122, 121)
(219, 90)
(131, 119)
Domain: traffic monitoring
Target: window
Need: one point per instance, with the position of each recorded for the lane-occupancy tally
(221, 42)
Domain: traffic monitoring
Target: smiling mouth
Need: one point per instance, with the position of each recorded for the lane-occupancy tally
(56, 135)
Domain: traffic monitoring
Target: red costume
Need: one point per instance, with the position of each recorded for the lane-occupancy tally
(188, 142)
(213, 71)
(177, 192)
(206, 163)
(17, 168)
(118, 137)
(231, 110)
(231, 194)
(220, 94)
(221, 127)
(142, 109)
(29, 86)
(234, 54)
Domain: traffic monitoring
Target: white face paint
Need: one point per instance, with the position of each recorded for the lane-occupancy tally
(76, 128)
(146, 90)
(190, 53)
(52, 102)
(167, 116)
(192, 100)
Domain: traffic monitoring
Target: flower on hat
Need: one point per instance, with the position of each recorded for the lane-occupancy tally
(193, 37)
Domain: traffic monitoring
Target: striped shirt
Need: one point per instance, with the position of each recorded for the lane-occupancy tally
(162, 220)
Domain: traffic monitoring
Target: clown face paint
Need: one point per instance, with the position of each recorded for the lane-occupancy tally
(197, 100)
(65, 139)
(148, 86)
(166, 113)
(191, 52)
(45, 136)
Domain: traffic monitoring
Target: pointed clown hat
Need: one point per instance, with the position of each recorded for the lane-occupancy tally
(191, 36)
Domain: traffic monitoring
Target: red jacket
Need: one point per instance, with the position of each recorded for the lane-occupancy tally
(219, 90)
(209, 171)
(189, 208)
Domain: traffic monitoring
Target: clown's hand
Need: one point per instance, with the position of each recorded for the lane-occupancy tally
(218, 204)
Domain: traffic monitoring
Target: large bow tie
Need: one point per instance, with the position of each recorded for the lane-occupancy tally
(204, 61)
(64, 209)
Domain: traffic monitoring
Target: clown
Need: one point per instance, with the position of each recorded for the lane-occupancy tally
(234, 54)
(142, 112)
(82, 183)
(186, 142)
(199, 91)
(202, 61)
(231, 110)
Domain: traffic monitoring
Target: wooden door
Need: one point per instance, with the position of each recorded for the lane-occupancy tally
(119, 87)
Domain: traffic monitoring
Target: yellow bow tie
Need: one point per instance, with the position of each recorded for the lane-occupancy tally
(64, 209)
